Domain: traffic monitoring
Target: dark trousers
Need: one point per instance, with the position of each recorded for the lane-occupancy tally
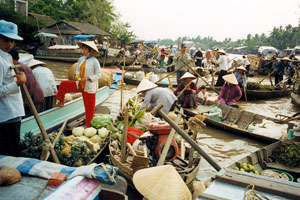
(278, 78)
(220, 81)
(10, 138)
(179, 75)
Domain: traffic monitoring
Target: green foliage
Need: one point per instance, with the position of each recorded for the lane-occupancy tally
(257, 86)
(120, 31)
(288, 154)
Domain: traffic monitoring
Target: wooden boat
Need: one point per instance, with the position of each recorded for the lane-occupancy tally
(263, 94)
(188, 174)
(136, 82)
(235, 121)
(230, 183)
(67, 53)
(295, 94)
(52, 119)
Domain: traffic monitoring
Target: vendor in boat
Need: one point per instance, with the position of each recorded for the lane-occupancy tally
(155, 95)
(182, 59)
(240, 76)
(11, 103)
(87, 73)
(223, 62)
(33, 86)
(280, 68)
(46, 79)
(188, 98)
(230, 92)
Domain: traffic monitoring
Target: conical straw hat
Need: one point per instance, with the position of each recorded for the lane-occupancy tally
(230, 78)
(187, 75)
(242, 68)
(161, 182)
(35, 62)
(286, 58)
(221, 51)
(89, 44)
(145, 85)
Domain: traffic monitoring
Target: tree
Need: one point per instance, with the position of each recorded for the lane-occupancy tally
(120, 30)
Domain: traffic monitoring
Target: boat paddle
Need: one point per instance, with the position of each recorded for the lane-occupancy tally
(47, 147)
(245, 91)
(267, 76)
(188, 139)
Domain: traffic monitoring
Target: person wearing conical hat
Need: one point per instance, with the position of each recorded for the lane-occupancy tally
(11, 102)
(182, 58)
(88, 73)
(280, 68)
(240, 76)
(188, 98)
(46, 79)
(230, 92)
(223, 61)
(155, 95)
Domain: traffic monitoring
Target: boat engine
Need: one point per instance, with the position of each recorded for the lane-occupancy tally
(156, 142)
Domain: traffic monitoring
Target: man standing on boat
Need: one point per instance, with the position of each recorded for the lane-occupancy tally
(11, 102)
(240, 76)
(182, 59)
(155, 95)
(88, 73)
(280, 69)
(231, 92)
(198, 57)
(105, 47)
(223, 62)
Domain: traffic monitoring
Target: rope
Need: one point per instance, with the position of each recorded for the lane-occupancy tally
(255, 195)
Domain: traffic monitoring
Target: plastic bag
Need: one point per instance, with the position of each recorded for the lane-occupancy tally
(101, 120)
(215, 113)
(146, 119)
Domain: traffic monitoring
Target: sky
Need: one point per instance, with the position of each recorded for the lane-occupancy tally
(235, 19)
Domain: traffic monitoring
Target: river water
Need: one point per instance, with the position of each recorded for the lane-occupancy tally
(223, 147)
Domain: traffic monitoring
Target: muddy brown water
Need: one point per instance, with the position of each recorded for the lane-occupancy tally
(223, 147)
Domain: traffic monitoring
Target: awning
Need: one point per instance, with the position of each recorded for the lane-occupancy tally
(83, 37)
(42, 34)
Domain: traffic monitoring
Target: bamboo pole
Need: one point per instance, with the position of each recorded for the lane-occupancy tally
(188, 85)
(124, 136)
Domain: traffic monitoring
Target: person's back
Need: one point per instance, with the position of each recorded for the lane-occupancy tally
(46, 80)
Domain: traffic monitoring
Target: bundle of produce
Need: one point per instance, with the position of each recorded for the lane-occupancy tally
(247, 167)
(275, 174)
(288, 154)
(257, 86)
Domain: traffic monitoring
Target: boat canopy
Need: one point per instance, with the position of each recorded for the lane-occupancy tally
(150, 43)
(43, 34)
(267, 50)
(83, 37)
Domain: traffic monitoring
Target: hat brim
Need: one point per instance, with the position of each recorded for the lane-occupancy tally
(12, 36)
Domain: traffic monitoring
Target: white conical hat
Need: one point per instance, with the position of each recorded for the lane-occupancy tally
(161, 182)
(187, 75)
(145, 85)
(242, 68)
(286, 58)
(35, 62)
(230, 78)
(89, 44)
(221, 51)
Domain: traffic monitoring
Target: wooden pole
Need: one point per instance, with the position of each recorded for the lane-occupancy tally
(267, 76)
(48, 145)
(188, 85)
(190, 141)
(124, 136)
(191, 152)
(122, 86)
(245, 91)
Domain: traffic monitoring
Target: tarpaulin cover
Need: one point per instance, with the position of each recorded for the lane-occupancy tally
(83, 37)
(45, 169)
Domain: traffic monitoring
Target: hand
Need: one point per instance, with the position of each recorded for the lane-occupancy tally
(217, 101)
(88, 78)
(21, 78)
(233, 100)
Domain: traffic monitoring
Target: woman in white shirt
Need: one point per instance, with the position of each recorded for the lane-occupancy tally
(87, 73)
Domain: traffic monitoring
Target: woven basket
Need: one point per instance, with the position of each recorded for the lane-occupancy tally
(105, 80)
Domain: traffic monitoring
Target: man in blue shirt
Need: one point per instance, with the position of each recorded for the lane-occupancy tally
(240, 76)
(11, 103)
(280, 69)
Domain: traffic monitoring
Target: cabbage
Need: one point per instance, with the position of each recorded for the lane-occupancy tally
(95, 139)
(78, 131)
(90, 132)
(101, 120)
(103, 132)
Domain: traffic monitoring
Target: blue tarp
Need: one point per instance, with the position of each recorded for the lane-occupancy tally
(82, 37)
(150, 43)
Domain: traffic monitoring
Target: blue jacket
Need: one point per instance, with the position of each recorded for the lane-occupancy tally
(281, 67)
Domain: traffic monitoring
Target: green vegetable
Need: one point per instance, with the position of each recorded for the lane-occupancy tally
(90, 132)
(101, 120)
(288, 153)
(96, 139)
(78, 131)
(103, 132)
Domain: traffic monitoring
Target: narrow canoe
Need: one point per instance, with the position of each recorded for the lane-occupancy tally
(230, 183)
(53, 118)
(236, 121)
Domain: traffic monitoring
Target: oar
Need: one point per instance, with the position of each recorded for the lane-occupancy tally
(188, 85)
(200, 76)
(189, 140)
(169, 74)
(245, 91)
(48, 145)
(267, 76)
